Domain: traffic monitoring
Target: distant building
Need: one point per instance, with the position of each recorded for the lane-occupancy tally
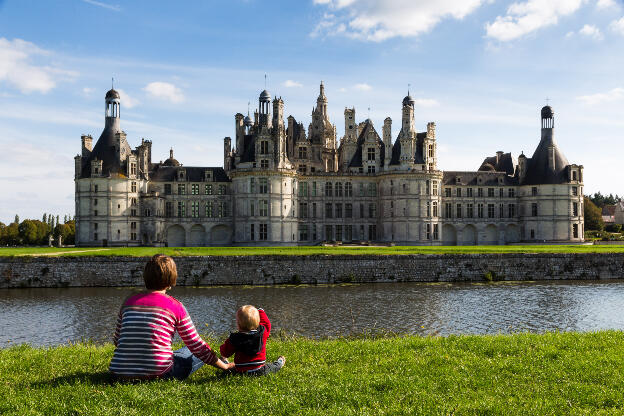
(618, 213)
(283, 185)
(608, 214)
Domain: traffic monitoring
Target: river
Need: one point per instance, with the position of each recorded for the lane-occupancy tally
(56, 316)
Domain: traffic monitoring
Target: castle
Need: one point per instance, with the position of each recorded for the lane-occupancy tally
(283, 185)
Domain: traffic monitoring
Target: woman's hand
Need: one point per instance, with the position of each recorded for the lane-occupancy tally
(223, 366)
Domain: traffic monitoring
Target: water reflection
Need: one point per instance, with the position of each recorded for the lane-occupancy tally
(53, 316)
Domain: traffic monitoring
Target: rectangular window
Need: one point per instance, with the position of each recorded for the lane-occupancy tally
(469, 211)
(428, 209)
(348, 210)
(501, 192)
(133, 212)
(252, 186)
(480, 192)
(133, 169)
(458, 211)
(264, 163)
(459, 192)
(133, 187)
(313, 188)
(314, 232)
(575, 232)
(263, 208)
(435, 209)
(436, 233)
(575, 209)
(490, 192)
(362, 191)
(490, 210)
(511, 208)
(338, 189)
(361, 210)
(372, 210)
(95, 202)
(338, 233)
(223, 211)
(264, 147)
(303, 189)
(480, 210)
(303, 232)
(435, 187)
(469, 192)
(328, 210)
(133, 236)
(133, 226)
(329, 233)
(133, 202)
(372, 232)
(501, 211)
(511, 192)
(338, 210)
(534, 209)
(303, 210)
(314, 210)
(167, 189)
(263, 185)
(263, 232)
(428, 231)
(371, 169)
(371, 153)
(252, 232)
(574, 191)
(303, 153)
(181, 189)
(181, 209)
(95, 188)
(372, 189)
(195, 209)
(348, 189)
(194, 189)
(169, 209)
(348, 232)
(447, 192)
(448, 210)
(534, 191)
(209, 210)
(328, 189)
(222, 190)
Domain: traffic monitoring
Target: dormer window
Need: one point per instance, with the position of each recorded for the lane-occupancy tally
(371, 153)
(133, 169)
(303, 153)
(264, 147)
(208, 176)
(573, 175)
(457, 180)
(264, 163)
(181, 175)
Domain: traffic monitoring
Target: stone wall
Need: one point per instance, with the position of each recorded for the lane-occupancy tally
(18, 272)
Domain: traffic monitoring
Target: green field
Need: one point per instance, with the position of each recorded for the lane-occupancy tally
(520, 374)
(304, 250)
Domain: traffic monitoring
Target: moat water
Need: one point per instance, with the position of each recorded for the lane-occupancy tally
(56, 316)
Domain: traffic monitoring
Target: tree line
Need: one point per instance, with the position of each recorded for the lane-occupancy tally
(37, 232)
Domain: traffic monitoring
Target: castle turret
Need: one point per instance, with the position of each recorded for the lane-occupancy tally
(387, 139)
(264, 106)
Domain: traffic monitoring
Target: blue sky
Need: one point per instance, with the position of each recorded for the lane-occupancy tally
(481, 69)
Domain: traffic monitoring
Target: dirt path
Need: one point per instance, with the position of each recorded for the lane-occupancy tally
(63, 252)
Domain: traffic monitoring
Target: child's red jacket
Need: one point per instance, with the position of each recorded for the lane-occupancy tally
(249, 348)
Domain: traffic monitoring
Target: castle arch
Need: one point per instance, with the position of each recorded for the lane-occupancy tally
(449, 235)
(490, 235)
(512, 234)
(176, 236)
(469, 234)
(198, 235)
(220, 234)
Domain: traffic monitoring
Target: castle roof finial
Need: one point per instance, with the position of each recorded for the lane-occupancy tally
(171, 153)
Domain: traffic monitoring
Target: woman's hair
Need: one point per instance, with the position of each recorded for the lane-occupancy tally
(160, 272)
(248, 318)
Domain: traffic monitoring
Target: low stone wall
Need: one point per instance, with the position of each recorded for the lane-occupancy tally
(16, 272)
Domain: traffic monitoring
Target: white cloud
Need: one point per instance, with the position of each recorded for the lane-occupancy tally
(87, 91)
(378, 20)
(114, 8)
(342, 89)
(618, 26)
(591, 31)
(362, 87)
(601, 98)
(605, 4)
(289, 83)
(126, 100)
(17, 67)
(426, 102)
(165, 91)
(529, 16)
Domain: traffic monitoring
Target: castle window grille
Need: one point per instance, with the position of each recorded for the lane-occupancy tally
(469, 192)
(501, 192)
(435, 209)
(303, 232)
(371, 153)
(303, 210)
(167, 189)
(511, 208)
(574, 191)
(435, 187)
(575, 209)
(490, 192)
(372, 189)
(328, 189)
(222, 190)
(263, 232)
(252, 186)
(480, 192)
(348, 210)
(329, 232)
(313, 188)
(263, 208)
(252, 232)
(338, 189)
(459, 192)
(447, 192)
(195, 189)
(208, 189)
(371, 169)
(428, 231)
(511, 192)
(436, 233)
(181, 189)
(501, 211)
(480, 210)
(168, 209)
(264, 147)
(133, 169)
(348, 232)
(431, 152)
(133, 187)
(264, 164)
(302, 169)
(209, 210)
(303, 189)
(338, 210)
(338, 233)
(263, 185)
(303, 153)
(181, 209)
(448, 211)
(469, 211)
(458, 212)
(372, 232)
(348, 189)
(223, 211)
(195, 209)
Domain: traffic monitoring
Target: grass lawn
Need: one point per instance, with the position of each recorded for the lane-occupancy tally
(304, 250)
(520, 374)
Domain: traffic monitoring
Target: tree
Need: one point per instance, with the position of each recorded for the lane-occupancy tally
(10, 235)
(45, 218)
(593, 216)
(16, 221)
(28, 232)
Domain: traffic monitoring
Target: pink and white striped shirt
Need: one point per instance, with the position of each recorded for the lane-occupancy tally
(145, 328)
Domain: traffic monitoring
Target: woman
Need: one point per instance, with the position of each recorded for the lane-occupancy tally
(145, 328)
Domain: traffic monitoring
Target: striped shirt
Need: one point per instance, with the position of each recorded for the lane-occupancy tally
(146, 325)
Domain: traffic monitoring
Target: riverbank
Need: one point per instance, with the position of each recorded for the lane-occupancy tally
(113, 271)
(552, 373)
(304, 250)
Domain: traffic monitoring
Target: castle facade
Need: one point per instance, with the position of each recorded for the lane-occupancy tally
(281, 184)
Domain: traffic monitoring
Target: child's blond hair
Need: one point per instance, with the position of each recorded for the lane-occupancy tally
(247, 318)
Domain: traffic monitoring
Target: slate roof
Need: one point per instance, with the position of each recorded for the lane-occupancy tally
(418, 156)
(538, 172)
(104, 150)
(162, 173)
(472, 178)
(356, 160)
(505, 163)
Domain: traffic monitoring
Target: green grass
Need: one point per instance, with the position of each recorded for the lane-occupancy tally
(520, 374)
(305, 250)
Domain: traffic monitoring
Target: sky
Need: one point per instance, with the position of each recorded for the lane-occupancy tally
(480, 69)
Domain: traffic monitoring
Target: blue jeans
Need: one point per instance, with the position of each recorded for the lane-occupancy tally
(184, 364)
